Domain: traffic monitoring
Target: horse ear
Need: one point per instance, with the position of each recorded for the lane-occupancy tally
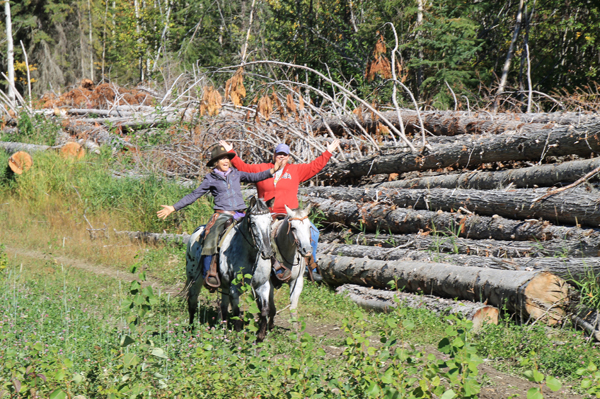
(307, 209)
(270, 202)
(252, 202)
(288, 210)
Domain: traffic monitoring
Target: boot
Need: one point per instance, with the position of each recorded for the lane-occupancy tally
(281, 272)
(211, 280)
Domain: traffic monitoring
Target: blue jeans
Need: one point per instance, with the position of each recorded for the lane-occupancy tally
(314, 240)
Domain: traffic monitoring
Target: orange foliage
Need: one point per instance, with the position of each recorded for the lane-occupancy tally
(234, 88)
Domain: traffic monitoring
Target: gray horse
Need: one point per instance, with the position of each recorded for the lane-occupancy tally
(291, 242)
(240, 252)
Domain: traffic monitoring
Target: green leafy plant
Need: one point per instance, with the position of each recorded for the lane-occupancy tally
(534, 375)
(591, 379)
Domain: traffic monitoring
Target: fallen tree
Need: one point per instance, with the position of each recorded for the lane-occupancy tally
(448, 243)
(473, 151)
(572, 207)
(547, 175)
(384, 301)
(528, 294)
(570, 269)
(387, 218)
(453, 123)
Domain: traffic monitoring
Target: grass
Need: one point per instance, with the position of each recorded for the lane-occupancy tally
(71, 327)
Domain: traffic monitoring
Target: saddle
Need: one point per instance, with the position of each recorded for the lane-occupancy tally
(280, 273)
(213, 272)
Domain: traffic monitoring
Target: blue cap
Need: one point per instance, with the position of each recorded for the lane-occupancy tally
(282, 148)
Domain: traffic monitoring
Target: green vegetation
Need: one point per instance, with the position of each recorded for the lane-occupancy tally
(445, 44)
(64, 333)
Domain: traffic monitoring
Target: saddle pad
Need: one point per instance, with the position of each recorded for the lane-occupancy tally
(274, 228)
(225, 233)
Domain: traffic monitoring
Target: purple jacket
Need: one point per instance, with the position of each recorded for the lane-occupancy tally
(226, 190)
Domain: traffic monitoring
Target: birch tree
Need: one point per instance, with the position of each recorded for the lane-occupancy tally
(10, 53)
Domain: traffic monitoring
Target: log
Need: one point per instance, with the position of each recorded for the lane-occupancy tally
(529, 294)
(384, 218)
(569, 269)
(542, 176)
(154, 238)
(445, 243)
(571, 207)
(12, 147)
(474, 151)
(20, 162)
(384, 301)
(453, 123)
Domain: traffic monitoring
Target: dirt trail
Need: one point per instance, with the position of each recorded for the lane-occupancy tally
(497, 384)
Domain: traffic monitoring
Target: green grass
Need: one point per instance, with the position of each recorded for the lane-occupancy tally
(71, 327)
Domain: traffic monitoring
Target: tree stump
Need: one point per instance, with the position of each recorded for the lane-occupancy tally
(20, 162)
(72, 150)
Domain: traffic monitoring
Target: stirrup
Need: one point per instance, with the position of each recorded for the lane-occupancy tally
(212, 274)
(285, 274)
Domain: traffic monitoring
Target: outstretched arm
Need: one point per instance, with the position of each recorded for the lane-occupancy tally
(309, 170)
(241, 165)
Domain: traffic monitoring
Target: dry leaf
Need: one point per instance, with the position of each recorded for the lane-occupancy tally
(234, 88)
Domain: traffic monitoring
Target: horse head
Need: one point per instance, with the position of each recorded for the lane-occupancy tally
(299, 228)
(259, 224)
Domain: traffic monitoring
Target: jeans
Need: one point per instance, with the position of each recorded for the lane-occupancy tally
(314, 240)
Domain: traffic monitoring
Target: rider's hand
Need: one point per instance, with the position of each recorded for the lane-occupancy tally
(334, 144)
(166, 211)
(279, 164)
(228, 147)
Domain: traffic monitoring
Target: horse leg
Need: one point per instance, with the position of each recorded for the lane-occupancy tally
(234, 298)
(272, 309)
(192, 300)
(224, 308)
(296, 287)
(262, 300)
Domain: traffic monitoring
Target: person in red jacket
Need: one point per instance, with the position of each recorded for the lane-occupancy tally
(284, 185)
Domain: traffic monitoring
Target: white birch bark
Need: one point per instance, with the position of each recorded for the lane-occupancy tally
(11, 54)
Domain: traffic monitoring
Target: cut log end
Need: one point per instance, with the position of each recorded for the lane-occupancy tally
(485, 315)
(20, 162)
(72, 150)
(546, 297)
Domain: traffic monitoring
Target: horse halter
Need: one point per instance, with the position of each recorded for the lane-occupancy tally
(252, 236)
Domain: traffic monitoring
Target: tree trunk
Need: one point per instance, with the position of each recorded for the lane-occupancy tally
(452, 123)
(10, 56)
(509, 55)
(384, 301)
(390, 219)
(534, 295)
(570, 269)
(571, 207)
(582, 141)
(447, 243)
(546, 175)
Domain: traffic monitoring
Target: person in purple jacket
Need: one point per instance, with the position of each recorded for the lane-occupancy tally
(224, 184)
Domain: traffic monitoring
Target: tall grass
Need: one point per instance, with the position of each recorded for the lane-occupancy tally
(88, 186)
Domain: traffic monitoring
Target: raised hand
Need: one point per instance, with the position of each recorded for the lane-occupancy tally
(334, 144)
(279, 164)
(228, 147)
(166, 211)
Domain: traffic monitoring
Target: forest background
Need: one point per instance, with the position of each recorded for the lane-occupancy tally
(550, 46)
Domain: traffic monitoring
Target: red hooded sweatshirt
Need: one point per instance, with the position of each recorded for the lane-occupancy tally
(286, 190)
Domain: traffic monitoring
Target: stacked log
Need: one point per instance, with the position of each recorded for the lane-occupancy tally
(385, 301)
(530, 294)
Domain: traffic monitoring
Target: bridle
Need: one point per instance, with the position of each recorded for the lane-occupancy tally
(254, 241)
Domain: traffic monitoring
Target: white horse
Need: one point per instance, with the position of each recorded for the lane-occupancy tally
(292, 245)
(240, 252)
